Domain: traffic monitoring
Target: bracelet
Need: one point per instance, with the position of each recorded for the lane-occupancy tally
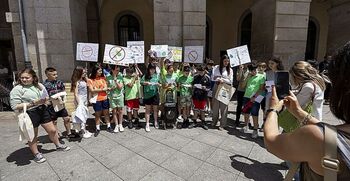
(306, 120)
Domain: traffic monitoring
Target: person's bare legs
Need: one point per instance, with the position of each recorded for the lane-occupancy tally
(66, 122)
(33, 145)
(52, 132)
(155, 116)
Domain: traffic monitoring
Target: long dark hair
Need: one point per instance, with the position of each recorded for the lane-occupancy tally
(278, 61)
(221, 66)
(76, 76)
(33, 74)
(94, 72)
(148, 75)
(339, 75)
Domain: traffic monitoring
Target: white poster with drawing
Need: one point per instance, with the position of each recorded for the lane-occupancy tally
(239, 55)
(87, 52)
(161, 50)
(137, 48)
(117, 55)
(174, 54)
(193, 54)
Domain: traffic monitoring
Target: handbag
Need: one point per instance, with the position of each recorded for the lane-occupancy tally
(25, 125)
(224, 92)
(288, 122)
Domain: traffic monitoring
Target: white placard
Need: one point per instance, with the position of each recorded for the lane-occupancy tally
(259, 98)
(137, 49)
(193, 54)
(269, 84)
(239, 56)
(87, 52)
(174, 54)
(161, 50)
(117, 55)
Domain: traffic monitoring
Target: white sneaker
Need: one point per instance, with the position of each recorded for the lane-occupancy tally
(87, 134)
(255, 134)
(179, 118)
(147, 128)
(244, 129)
(156, 124)
(121, 128)
(116, 129)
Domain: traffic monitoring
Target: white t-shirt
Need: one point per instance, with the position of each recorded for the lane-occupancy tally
(304, 96)
(225, 76)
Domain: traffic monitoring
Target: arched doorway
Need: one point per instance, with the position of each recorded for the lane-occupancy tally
(312, 39)
(127, 28)
(208, 36)
(245, 29)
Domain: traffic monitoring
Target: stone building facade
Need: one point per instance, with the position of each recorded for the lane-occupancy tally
(291, 29)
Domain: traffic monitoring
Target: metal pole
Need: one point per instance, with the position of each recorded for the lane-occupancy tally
(27, 62)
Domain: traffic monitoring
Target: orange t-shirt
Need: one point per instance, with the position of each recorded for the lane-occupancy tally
(99, 83)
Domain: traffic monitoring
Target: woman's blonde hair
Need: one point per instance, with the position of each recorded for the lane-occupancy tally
(302, 72)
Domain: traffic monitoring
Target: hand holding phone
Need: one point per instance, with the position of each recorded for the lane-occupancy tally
(282, 84)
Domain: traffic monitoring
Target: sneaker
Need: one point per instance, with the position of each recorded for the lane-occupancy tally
(220, 128)
(179, 118)
(87, 134)
(147, 128)
(156, 125)
(136, 122)
(192, 125)
(244, 129)
(62, 148)
(116, 129)
(255, 134)
(121, 128)
(39, 158)
(110, 130)
(130, 125)
(205, 126)
(97, 132)
(186, 123)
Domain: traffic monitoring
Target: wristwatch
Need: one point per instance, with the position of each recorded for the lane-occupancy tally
(272, 110)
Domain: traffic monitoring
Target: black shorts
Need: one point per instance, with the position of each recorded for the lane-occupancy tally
(54, 115)
(39, 115)
(154, 101)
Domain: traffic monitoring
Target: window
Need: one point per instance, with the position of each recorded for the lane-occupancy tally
(246, 29)
(312, 39)
(128, 28)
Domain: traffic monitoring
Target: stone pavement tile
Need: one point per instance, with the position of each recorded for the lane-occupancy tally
(198, 150)
(33, 172)
(160, 173)
(175, 141)
(210, 138)
(222, 159)
(138, 143)
(237, 145)
(121, 138)
(134, 168)
(254, 169)
(107, 176)
(264, 156)
(115, 157)
(189, 133)
(239, 178)
(182, 165)
(85, 170)
(210, 172)
(158, 153)
(101, 147)
(157, 134)
(66, 160)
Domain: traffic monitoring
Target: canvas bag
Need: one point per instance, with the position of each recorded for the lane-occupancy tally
(25, 125)
(224, 92)
(288, 122)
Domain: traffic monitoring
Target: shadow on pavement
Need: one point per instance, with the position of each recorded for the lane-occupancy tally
(256, 170)
(23, 156)
(246, 136)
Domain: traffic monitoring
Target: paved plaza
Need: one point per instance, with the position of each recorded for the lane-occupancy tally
(173, 154)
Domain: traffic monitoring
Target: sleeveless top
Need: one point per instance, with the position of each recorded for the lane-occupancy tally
(343, 142)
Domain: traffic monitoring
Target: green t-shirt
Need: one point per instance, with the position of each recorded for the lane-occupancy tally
(185, 84)
(131, 92)
(253, 85)
(111, 82)
(150, 90)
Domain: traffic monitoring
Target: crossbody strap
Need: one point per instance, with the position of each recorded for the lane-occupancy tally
(330, 162)
(292, 171)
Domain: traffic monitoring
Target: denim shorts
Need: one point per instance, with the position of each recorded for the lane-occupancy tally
(101, 105)
(254, 110)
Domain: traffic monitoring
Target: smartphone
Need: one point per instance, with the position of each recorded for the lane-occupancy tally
(282, 84)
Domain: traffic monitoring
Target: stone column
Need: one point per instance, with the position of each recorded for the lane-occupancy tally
(292, 18)
(194, 22)
(339, 25)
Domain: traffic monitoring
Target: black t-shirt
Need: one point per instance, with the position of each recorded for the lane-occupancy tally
(201, 94)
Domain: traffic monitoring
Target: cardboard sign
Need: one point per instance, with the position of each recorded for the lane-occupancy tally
(117, 55)
(238, 56)
(137, 48)
(87, 52)
(161, 50)
(193, 54)
(174, 54)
